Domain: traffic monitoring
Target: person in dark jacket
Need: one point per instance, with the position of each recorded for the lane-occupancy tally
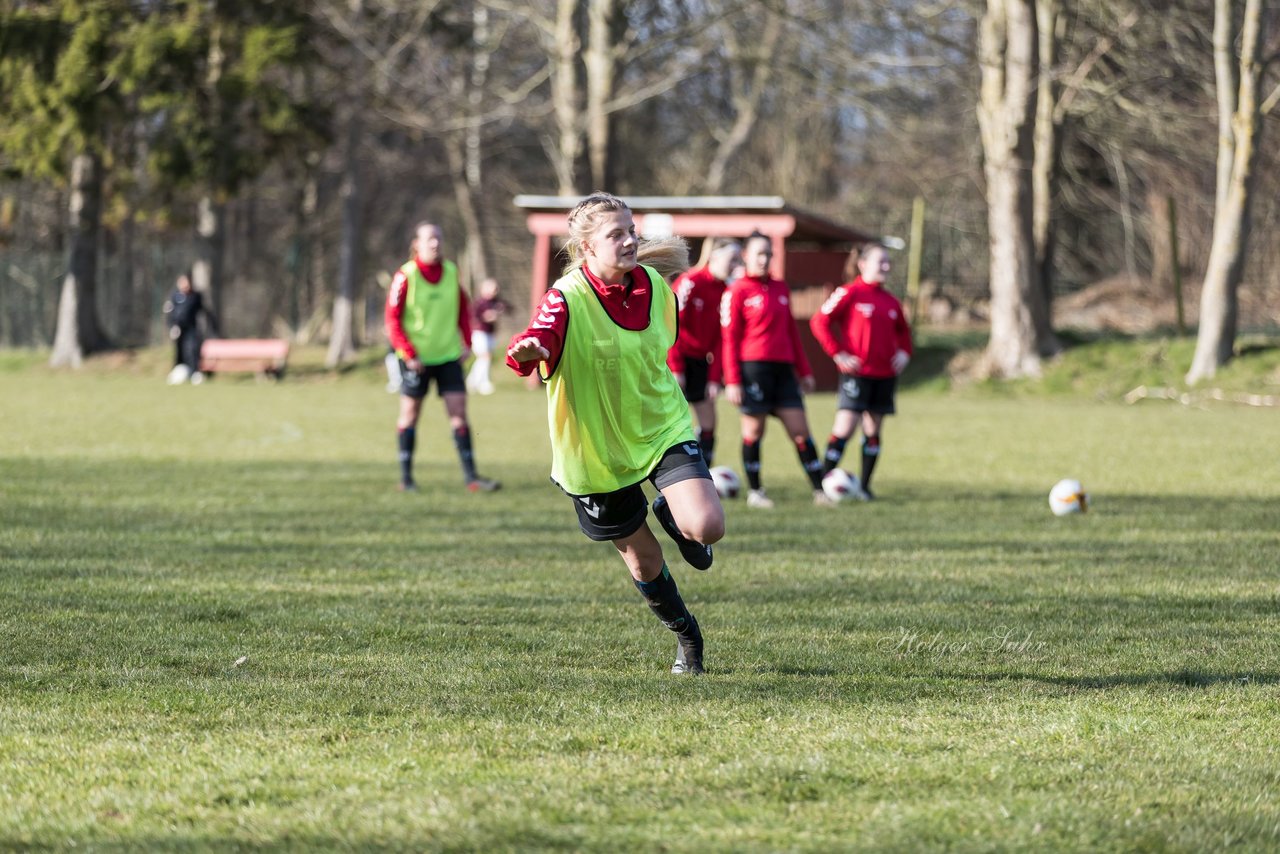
(182, 314)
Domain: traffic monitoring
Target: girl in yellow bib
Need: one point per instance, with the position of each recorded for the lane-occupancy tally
(428, 323)
(599, 340)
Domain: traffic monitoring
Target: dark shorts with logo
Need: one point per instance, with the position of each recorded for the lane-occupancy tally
(448, 377)
(867, 394)
(767, 386)
(695, 379)
(614, 515)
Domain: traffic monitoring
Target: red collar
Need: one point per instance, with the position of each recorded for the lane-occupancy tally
(431, 272)
(633, 286)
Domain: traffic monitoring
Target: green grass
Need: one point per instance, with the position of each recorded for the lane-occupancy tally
(950, 667)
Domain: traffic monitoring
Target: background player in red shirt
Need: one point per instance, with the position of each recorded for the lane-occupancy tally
(489, 308)
(413, 324)
(695, 358)
(765, 367)
(862, 327)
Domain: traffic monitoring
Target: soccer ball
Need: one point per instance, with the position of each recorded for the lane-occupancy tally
(839, 485)
(1067, 497)
(726, 481)
(179, 375)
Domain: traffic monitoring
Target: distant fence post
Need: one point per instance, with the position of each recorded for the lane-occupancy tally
(1177, 266)
(913, 258)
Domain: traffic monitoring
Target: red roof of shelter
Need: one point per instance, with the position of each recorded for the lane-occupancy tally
(699, 216)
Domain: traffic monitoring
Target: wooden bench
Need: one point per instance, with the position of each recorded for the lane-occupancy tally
(263, 356)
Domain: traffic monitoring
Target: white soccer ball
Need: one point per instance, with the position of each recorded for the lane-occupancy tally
(178, 375)
(839, 485)
(1067, 497)
(727, 482)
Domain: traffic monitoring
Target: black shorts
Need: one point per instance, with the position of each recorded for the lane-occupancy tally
(768, 386)
(695, 379)
(448, 377)
(614, 515)
(867, 394)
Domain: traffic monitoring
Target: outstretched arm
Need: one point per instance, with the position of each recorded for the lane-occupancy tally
(543, 339)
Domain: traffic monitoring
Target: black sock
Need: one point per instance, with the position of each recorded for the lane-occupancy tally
(835, 450)
(663, 598)
(809, 459)
(462, 441)
(751, 463)
(870, 453)
(408, 437)
(707, 441)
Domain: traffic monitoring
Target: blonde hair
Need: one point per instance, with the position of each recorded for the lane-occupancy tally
(668, 255)
(413, 241)
(712, 245)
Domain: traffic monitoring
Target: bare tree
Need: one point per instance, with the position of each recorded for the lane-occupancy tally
(1047, 150)
(465, 149)
(1239, 126)
(601, 57)
(1009, 56)
(342, 342)
(565, 97)
(78, 332)
(750, 78)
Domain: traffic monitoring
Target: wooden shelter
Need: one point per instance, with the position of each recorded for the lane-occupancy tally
(809, 251)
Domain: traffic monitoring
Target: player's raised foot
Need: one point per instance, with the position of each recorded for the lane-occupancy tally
(483, 484)
(694, 553)
(756, 498)
(407, 486)
(689, 651)
(821, 499)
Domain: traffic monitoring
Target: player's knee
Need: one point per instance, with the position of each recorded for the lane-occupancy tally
(706, 526)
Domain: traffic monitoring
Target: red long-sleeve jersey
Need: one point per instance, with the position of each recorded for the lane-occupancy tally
(627, 305)
(865, 321)
(394, 314)
(698, 295)
(757, 326)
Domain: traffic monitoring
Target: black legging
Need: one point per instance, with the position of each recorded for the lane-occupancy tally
(186, 350)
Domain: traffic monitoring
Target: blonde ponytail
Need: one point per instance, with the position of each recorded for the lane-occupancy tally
(668, 255)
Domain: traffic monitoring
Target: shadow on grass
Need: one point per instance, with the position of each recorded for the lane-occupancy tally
(1183, 678)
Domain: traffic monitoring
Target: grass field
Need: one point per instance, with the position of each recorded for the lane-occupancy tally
(221, 627)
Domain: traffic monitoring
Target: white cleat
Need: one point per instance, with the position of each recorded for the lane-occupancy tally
(756, 498)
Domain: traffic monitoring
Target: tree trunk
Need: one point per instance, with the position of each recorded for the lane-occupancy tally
(601, 60)
(342, 343)
(78, 332)
(1219, 297)
(342, 335)
(1047, 157)
(1008, 48)
(465, 151)
(564, 97)
(206, 273)
(211, 214)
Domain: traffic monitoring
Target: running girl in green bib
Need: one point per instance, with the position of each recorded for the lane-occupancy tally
(599, 340)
